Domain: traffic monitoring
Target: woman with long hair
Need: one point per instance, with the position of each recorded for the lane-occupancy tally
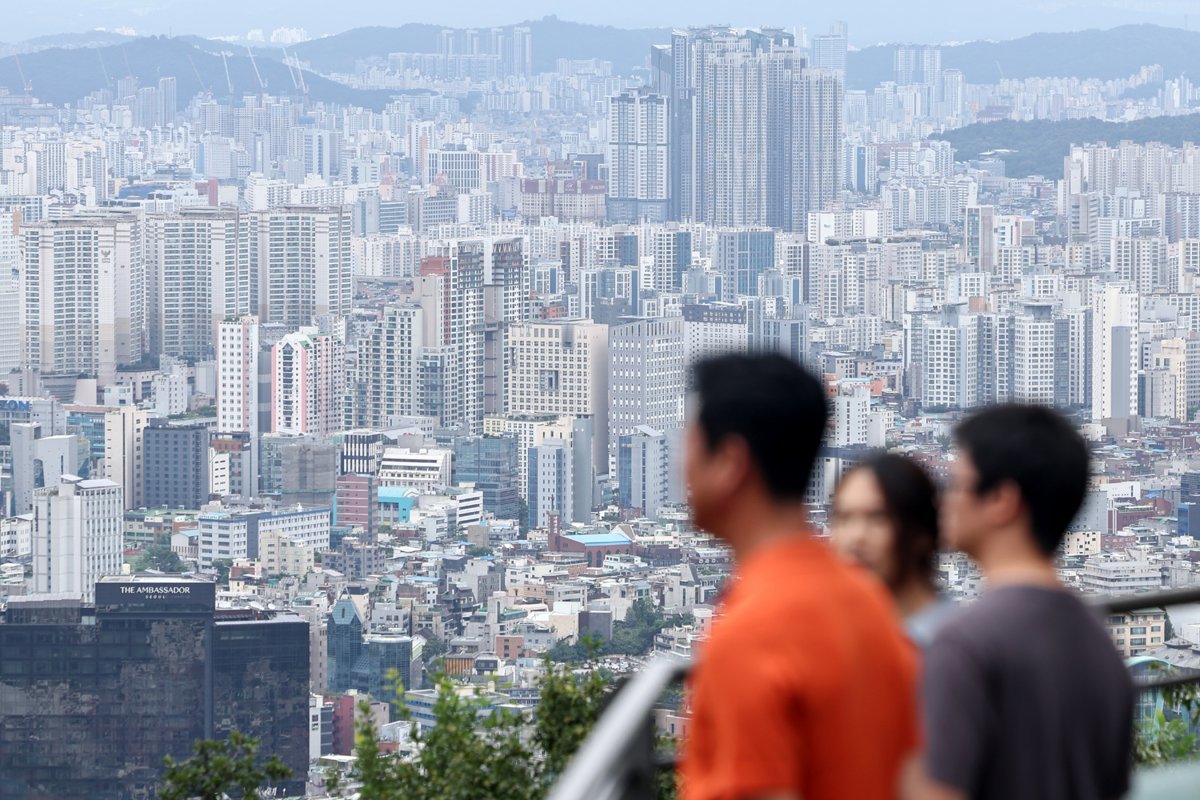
(885, 517)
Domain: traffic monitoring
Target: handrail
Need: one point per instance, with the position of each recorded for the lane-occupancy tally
(610, 750)
(1138, 602)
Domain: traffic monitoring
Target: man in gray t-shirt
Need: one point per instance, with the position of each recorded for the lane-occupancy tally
(1024, 694)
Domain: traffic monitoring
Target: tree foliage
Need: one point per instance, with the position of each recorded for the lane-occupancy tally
(633, 636)
(1169, 734)
(1038, 147)
(219, 769)
(222, 566)
(474, 752)
(159, 557)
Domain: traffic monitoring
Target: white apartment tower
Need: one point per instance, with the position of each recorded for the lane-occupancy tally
(84, 302)
(308, 383)
(1115, 352)
(387, 359)
(301, 255)
(638, 141)
(199, 273)
(562, 368)
(646, 379)
(77, 532)
(237, 379)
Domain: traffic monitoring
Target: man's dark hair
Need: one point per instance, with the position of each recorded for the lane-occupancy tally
(772, 403)
(1039, 451)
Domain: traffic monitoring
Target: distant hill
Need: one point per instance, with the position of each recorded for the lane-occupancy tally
(86, 39)
(1114, 53)
(552, 39)
(64, 75)
(1038, 147)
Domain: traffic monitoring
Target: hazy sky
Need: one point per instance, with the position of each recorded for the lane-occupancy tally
(870, 21)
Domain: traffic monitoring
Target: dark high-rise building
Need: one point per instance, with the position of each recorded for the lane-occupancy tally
(93, 698)
(364, 662)
(489, 462)
(175, 466)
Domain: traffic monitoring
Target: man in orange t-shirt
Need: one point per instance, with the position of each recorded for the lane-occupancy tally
(807, 686)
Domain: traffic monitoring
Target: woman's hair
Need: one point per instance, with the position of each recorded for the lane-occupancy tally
(911, 501)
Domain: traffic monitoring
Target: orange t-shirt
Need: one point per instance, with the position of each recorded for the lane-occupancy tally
(807, 684)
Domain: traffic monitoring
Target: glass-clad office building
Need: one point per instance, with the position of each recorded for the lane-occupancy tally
(93, 698)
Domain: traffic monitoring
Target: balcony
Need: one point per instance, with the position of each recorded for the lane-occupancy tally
(618, 760)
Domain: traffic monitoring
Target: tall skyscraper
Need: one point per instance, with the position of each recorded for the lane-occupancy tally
(1116, 354)
(638, 156)
(77, 532)
(755, 132)
(387, 377)
(308, 383)
(829, 50)
(148, 671)
(84, 294)
(461, 269)
(646, 379)
(302, 259)
(237, 384)
(562, 368)
(176, 473)
(199, 273)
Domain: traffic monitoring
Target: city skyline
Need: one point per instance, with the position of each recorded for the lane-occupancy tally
(938, 22)
(382, 358)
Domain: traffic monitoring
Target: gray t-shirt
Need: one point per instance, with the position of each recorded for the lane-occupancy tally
(1026, 697)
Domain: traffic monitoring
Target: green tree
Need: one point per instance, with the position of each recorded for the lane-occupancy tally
(1168, 734)
(632, 636)
(160, 557)
(470, 754)
(219, 769)
(569, 706)
(222, 566)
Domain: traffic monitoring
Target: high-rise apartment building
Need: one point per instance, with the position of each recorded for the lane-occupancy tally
(387, 359)
(308, 383)
(237, 375)
(237, 385)
(562, 368)
(77, 533)
(1116, 353)
(638, 157)
(301, 255)
(829, 50)
(84, 302)
(755, 131)
(646, 378)
(199, 273)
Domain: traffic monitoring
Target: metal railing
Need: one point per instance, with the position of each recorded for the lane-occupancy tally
(617, 760)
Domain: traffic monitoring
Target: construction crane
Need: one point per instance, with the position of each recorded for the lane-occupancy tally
(196, 72)
(261, 83)
(228, 80)
(103, 67)
(25, 83)
(288, 62)
(289, 59)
